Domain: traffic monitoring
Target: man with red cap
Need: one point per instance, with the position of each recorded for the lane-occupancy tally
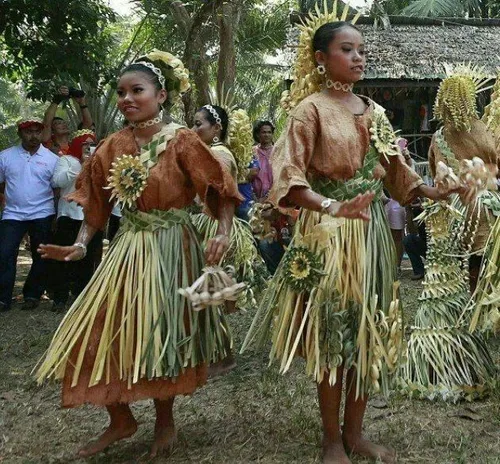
(26, 172)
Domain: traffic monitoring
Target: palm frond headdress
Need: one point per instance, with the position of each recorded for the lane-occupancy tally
(306, 78)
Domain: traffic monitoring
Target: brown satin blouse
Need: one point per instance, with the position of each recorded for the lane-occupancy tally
(186, 168)
(324, 138)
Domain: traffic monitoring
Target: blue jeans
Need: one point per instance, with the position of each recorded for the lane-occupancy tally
(271, 254)
(11, 235)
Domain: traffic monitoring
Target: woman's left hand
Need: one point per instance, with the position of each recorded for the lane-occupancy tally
(215, 249)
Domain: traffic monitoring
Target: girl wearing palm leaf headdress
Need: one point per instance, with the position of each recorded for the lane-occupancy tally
(228, 133)
(444, 359)
(130, 335)
(334, 298)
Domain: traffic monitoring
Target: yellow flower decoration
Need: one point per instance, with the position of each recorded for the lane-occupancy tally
(303, 269)
(240, 141)
(128, 179)
(382, 134)
(180, 72)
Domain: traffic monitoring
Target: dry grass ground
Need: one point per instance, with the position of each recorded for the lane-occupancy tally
(250, 415)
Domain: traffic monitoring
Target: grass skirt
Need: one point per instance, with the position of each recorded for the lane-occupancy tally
(348, 316)
(130, 325)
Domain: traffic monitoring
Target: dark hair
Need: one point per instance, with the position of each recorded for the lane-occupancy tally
(224, 119)
(258, 126)
(327, 32)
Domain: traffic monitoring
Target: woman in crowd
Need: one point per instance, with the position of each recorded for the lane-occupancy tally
(333, 299)
(130, 335)
(74, 276)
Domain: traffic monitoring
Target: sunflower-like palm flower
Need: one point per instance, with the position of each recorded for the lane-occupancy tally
(383, 136)
(303, 269)
(128, 179)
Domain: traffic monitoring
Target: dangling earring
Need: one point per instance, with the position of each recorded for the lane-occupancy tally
(215, 140)
(321, 69)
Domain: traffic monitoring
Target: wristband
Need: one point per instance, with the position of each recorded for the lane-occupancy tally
(82, 107)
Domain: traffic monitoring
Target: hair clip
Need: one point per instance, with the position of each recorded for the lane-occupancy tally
(156, 70)
(214, 113)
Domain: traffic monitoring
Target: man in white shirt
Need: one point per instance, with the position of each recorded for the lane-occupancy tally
(26, 171)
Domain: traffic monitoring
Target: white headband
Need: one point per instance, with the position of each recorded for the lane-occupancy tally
(214, 113)
(156, 70)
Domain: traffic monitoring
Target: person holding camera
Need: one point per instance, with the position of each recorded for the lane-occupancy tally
(66, 276)
(56, 133)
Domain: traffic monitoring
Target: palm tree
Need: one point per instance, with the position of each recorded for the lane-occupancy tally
(442, 8)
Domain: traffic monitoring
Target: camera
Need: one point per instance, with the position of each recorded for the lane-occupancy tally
(76, 93)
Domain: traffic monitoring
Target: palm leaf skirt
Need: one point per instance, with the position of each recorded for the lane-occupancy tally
(352, 316)
(149, 330)
(444, 360)
(242, 253)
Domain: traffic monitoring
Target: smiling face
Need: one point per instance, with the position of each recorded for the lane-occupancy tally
(138, 97)
(204, 128)
(344, 58)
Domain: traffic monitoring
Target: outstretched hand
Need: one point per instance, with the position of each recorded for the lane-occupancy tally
(215, 249)
(357, 208)
(60, 253)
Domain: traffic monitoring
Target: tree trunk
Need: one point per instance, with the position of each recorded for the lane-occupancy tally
(228, 24)
(195, 60)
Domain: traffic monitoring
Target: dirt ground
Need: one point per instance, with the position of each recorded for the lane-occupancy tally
(250, 415)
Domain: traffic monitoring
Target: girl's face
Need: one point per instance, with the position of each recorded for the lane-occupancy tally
(138, 98)
(345, 60)
(205, 129)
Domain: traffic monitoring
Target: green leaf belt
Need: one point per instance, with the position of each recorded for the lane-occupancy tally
(137, 221)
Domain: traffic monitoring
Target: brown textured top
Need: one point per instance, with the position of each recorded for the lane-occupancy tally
(478, 142)
(223, 154)
(324, 138)
(186, 168)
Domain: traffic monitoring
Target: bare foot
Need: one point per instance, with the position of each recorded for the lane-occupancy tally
(334, 453)
(111, 434)
(222, 367)
(367, 449)
(165, 439)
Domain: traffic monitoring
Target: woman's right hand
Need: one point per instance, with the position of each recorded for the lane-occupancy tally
(61, 253)
(357, 208)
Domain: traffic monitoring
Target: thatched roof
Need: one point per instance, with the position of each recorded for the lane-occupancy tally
(415, 49)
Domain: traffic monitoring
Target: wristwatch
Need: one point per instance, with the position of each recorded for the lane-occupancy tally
(325, 204)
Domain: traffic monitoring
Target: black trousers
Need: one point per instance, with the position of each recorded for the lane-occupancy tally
(11, 235)
(72, 276)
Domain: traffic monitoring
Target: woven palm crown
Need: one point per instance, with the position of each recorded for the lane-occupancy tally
(306, 79)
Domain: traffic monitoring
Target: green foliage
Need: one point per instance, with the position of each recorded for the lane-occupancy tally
(51, 42)
(13, 106)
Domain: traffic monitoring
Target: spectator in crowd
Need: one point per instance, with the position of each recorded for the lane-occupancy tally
(415, 243)
(263, 132)
(56, 132)
(272, 249)
(246, 190)
(72, 275)
(26, 171)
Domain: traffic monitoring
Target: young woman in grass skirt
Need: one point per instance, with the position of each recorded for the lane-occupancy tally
(229, 136)
(130, 335)
(334, 299)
